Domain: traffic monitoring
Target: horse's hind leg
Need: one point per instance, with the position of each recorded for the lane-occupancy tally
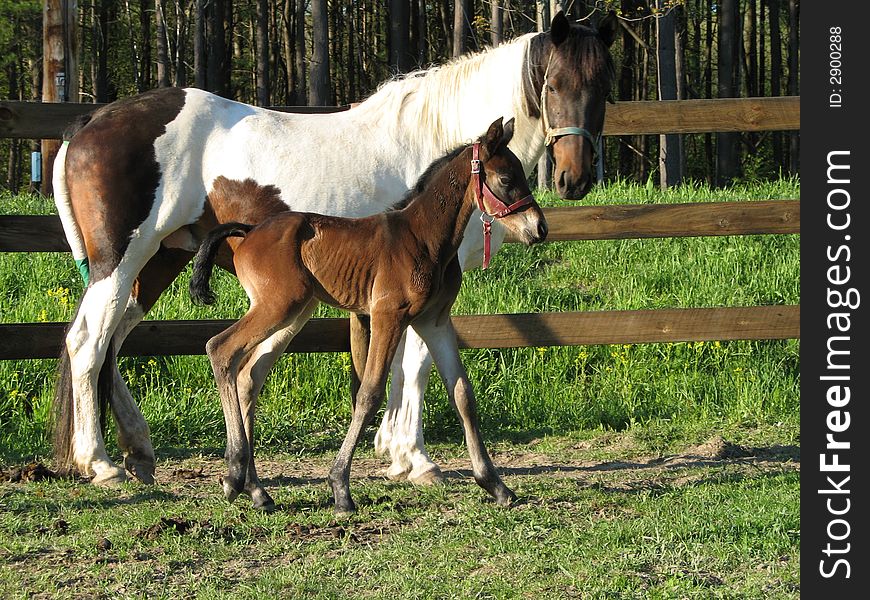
(251, 377)
(441, 340)
(401, 430)
(101, 310)
(386, 333)
(134, 437)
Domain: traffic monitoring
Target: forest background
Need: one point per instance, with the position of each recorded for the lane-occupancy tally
(337, 52)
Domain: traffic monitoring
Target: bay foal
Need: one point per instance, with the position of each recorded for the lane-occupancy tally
(398, 267)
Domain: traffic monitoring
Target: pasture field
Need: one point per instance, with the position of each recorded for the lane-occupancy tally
(644, 471)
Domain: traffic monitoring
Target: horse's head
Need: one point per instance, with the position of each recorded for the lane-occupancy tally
(576, 80)
(502, 189)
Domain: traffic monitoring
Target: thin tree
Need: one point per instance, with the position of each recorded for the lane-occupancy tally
(670, 161)
(400, 40)
(463, 12)
(319, 89)
(727, 158)
(262, 43)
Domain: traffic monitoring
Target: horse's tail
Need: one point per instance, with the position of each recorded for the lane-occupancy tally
(63, 408)
(64, 210)
(203, 263)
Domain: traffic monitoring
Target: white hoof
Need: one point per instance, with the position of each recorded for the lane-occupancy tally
(110, 477)
(426, 475)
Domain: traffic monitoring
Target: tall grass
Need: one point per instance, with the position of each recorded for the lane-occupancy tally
(682, 387)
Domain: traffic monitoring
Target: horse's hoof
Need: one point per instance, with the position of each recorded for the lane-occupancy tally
(111, 477)
(506, 498)
(430, 475)
(262, 500)
(396, 472)
(345, 511)
(230, 492)
(141, 469)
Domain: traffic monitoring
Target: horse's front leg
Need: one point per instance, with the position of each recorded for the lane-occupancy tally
(250, 381)
(134, 436)
(386, 333)
(441, 340)
(401, 430)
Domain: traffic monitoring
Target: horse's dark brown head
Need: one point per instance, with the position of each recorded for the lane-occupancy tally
(571, 72)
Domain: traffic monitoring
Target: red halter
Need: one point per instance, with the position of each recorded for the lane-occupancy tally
(481, 191)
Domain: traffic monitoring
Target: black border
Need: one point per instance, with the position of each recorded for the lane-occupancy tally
(825, 129)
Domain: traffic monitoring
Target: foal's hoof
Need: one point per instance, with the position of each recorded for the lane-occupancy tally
(429, 475)
(111, 477)
(141, 469)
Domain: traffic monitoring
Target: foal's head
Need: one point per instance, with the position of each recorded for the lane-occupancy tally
(503, 190)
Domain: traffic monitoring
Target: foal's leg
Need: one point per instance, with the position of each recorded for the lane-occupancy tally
(401, 430)
(386, 332)
(441, 340)
(251, 377)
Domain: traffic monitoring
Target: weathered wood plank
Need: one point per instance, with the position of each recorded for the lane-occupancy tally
(45, 234)
(166, 338)
(626, 221)
(703, 116)
(37, 120)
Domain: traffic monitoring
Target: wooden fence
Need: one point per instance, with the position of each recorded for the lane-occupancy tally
(44, 234)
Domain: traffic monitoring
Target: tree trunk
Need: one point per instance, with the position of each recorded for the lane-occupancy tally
(793, 80)
(263, 80)
(774, 13)
(60, 69)
(463, 12)
(162, 46)
(727, 150)
(145, 8)
(200, 62)
(299, 52)
(182, 23)
(400, 42)
(496, 23)
(625, 88)
(669, 145)
(318, 93)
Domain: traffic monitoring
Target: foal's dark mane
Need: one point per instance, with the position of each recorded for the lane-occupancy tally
(426, 177)
(583, 47)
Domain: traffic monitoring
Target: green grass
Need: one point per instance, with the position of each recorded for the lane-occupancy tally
(609, 515)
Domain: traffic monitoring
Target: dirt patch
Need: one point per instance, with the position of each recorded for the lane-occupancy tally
(35, 471)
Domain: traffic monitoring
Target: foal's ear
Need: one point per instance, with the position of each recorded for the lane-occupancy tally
(607, 28)
(559, 28)
(493, 138)
(508, 134)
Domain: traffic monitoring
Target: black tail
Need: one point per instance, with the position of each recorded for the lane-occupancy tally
(203, 263)
(62, 425)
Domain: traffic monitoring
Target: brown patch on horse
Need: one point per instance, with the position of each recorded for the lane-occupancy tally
(240, 201)
(244, 201)
(113, 174)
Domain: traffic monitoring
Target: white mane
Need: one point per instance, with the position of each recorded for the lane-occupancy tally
(434, 110)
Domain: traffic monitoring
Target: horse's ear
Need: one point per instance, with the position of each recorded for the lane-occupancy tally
(508, 134)
(492, 139)
(607, 28)
(559, 28)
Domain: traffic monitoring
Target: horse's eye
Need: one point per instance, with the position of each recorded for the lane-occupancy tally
(505, 180)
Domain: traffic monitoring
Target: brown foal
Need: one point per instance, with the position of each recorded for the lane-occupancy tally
(398, 267)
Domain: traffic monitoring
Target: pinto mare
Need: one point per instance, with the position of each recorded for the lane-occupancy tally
(141, 182)
(399, 268)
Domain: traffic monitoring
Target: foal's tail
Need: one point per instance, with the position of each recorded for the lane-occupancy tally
(203, 263)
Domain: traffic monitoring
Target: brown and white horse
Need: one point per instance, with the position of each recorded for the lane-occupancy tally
(399, 267)
(139, 185)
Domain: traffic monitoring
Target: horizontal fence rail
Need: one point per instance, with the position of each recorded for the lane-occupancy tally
(169, 338)
(36, 120)
(43, 233)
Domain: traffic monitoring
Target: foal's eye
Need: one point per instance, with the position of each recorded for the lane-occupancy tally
(505, 180)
